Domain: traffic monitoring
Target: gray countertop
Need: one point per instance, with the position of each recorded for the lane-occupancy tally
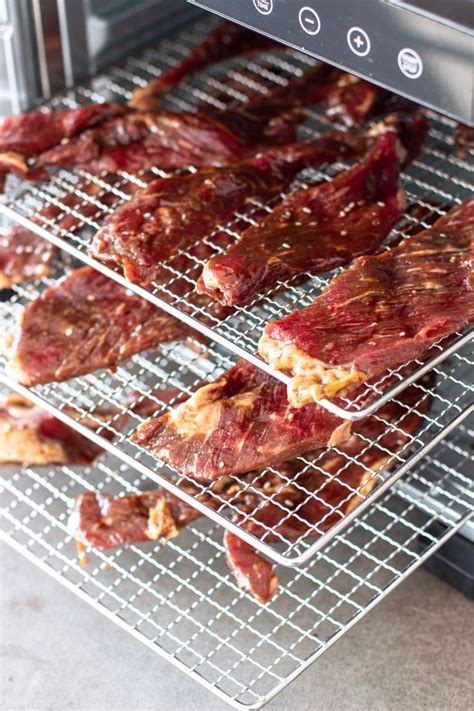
(414, 651)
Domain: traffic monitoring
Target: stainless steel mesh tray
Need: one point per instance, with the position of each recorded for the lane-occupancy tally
(182, 367)
(179, 599)
(436, 180)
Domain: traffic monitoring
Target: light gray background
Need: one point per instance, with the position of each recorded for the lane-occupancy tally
(415, 651)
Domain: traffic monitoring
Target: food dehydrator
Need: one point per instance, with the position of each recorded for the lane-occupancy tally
(177, 596)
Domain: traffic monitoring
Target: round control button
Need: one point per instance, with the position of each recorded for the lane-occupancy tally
(358, 41)
(410, 63)
(263, 6)
(309, 20)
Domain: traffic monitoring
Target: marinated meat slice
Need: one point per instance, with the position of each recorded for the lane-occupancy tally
(174, 140)
(240, 422)
(226, 41)
(24, 255)
(352, 101)
(105, 521)
(176, 212)
(382, 312)
(32, 133)
(31, 436)
(463, 140)
(314, 229)
(83, 323)
(252, 572)
(320, 495)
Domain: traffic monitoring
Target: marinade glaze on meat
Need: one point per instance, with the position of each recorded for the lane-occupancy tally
(225, 41)
(31, 436)
(30, 134)
(314, 229)
(84, 322)
(299, 501)
(241, 422)
(382, 312)
(171, 140)
(173, 213)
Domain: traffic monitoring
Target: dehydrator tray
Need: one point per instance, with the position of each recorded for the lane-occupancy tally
(434, 182)
(179, 599)
(176, 369)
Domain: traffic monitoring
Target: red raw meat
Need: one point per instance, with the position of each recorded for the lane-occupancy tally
(173, 213)
(384, 311)
(105, 521)
(314, 229)
(463, 140)
(83, 323)
(174, 140)
(31, 436)
(32, 133)
(226, 41)
(252, 572)
(298, 501)
(352, 101)
(24, 255)
(240, 422)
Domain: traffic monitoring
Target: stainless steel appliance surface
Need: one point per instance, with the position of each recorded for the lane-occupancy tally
(177, 597)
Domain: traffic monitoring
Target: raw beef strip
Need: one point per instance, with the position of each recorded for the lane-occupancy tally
(240, 422)
(226, 41)
(352, 101)
(32, 133)
(385, 310)
(252, 572)
(314, 229)
(24, 255)
(463, 140)
(173, 213)
(83, 323)
(174, 140)
(106, 521)
(31, 436)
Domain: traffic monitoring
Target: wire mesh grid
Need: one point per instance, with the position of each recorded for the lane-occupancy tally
(179, 598)
(288, 514)
(434, 182)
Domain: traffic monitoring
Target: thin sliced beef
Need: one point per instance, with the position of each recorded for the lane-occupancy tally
(297, 501)
(314, 229)
(463, 140)
(225, 41)
(83, 323)
(240, 422)
(174, 140)
(352, 101)
(384, 311)
(33, 133)
(252, 572)
(31, 436)
(174, 213)
(107, 521)
(24, 255)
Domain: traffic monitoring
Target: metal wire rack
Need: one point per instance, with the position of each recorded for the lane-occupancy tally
(179, 598)
(162, 378)
(435, 181)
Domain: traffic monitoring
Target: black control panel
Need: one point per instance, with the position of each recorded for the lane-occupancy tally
(423, 49)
